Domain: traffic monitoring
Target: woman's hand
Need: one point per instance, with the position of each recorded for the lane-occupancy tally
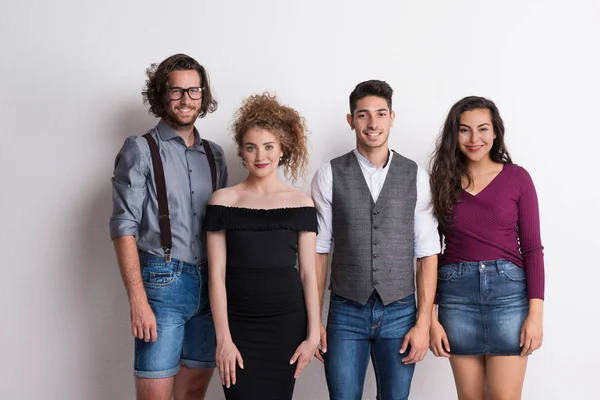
(439, 344)
(532, 334)
(304, 353)
(227, 356)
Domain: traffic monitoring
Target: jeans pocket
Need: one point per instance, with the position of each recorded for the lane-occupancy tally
(337, 299)
(514, 274)
(154, 275)
(447, 273)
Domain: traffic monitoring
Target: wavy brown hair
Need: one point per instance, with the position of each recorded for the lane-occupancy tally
(264, 111)
(157, 85)
(448, 164)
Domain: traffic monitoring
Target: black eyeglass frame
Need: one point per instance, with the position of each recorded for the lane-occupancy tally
(183, 91)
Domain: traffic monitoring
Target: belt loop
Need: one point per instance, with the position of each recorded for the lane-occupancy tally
(460, 268)
(178, 267)
(499, 267)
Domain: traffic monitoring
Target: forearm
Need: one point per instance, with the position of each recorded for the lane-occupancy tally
(321, 268)
(129, 266)
(218, 306)
(536, 308)
(311, 300)
(426, 286)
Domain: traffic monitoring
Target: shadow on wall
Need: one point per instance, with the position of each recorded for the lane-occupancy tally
(109, 333)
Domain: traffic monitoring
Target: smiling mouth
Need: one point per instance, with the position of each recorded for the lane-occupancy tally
(372, 134)
(261, 165)
(474, 148)
(185, 110)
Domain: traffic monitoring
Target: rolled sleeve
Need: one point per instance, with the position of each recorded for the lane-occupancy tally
(427, 238)
(129, 189)
(322, 194)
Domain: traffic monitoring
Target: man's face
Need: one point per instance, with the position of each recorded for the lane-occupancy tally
(182, 113)
(371, 122)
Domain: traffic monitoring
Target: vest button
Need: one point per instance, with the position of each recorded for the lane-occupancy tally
(375, 243)
(375, 212)
(375, 226)
(375, 282)
(375, 255)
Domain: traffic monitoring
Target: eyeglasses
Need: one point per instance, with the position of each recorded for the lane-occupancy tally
(195, 93)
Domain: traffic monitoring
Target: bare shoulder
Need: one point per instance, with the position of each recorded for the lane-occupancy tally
(225, 197)
(301, 199)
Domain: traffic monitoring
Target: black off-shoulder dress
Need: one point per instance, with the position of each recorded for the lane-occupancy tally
(265, 301)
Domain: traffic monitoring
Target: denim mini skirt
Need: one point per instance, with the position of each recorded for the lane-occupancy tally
(482, 306)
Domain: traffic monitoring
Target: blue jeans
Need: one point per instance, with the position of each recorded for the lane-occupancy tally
(178, 295)
(356, 332)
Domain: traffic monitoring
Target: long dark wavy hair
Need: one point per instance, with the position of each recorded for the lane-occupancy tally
(448, 164)
(157, 85)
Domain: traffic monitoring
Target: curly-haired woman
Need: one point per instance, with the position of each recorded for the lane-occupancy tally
(263, 307)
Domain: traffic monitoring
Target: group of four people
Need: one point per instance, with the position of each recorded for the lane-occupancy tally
(234, 277)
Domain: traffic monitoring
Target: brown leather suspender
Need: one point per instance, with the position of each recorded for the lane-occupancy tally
(164, 219)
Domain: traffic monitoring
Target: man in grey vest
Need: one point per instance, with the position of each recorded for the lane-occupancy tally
(373, 209)
(161, 185)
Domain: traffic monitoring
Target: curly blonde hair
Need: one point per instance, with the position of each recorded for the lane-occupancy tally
(264, 111)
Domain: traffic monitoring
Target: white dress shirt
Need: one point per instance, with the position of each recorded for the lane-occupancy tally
(427, 240)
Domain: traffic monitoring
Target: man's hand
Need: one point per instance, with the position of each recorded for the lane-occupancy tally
(143, 321)
(418, 339)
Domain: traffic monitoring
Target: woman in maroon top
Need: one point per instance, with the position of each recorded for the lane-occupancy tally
(491, 275)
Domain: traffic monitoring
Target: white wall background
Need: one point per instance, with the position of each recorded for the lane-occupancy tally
(70, 79)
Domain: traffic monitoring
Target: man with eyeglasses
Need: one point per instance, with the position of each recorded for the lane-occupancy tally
(161, 185)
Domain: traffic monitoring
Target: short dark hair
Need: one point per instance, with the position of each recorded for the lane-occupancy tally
(157, 85)
(371, 88)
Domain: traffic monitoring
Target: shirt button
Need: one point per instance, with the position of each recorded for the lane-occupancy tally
(195, 258)
(194, 214)
(196, 236)
(192, 192)
(190, 171)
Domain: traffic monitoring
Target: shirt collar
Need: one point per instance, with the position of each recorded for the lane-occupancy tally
(365, 161)
(167, 133)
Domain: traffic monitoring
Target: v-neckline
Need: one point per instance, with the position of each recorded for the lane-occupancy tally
(489, 183)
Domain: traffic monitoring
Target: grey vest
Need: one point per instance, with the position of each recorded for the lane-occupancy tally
(373, 242)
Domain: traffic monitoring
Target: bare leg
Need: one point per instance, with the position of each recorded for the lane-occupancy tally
(192, 383)
(154, 389)
(469, 376)
(504, 377)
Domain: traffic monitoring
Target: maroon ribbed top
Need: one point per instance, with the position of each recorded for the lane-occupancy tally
(492, 224)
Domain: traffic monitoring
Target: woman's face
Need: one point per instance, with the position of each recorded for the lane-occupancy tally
(476, 134)
(261, 151)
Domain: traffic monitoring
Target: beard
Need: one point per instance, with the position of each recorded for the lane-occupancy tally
(177, 122)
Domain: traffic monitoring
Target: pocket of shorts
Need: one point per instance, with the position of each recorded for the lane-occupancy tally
(446, 274)
(515, 274)
(158, 275)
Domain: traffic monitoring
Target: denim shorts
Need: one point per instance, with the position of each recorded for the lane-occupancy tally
(482, 306)
(178, 294)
